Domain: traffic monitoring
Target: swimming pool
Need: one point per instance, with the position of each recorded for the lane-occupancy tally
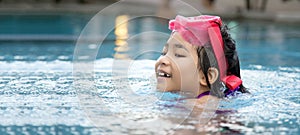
(37, 94)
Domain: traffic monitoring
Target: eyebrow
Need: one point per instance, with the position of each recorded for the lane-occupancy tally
(180, 46)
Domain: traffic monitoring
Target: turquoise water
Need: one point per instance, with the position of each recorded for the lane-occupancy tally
(38, 94)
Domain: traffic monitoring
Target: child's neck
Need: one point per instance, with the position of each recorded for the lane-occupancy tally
(203, 89)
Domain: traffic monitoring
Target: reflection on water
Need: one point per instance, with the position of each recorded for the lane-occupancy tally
(121, 32)
(138, 37)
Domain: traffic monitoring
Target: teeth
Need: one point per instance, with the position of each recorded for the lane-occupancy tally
(163, 74)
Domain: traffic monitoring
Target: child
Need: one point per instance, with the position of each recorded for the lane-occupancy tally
(199, 59)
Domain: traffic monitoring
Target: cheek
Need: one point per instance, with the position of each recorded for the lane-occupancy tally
(187, 72)
(189, 81)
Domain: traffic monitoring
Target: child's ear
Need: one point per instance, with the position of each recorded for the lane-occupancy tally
(212, 75)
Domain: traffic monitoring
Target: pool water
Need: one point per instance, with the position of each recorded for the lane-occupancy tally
(38, 94)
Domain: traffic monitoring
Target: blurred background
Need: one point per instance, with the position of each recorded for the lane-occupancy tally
(47, 30)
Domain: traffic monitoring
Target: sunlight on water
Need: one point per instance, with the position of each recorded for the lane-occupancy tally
(273, 105)
(43, 95)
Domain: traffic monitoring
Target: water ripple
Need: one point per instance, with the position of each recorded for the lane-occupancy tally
(131, 105)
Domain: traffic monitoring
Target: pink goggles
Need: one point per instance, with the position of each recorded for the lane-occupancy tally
(198, 31)
(195, 29)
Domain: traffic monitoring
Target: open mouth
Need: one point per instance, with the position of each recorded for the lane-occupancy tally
(163, 74)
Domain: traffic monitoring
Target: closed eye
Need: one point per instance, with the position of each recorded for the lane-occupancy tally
(179, 55)
(163, 53)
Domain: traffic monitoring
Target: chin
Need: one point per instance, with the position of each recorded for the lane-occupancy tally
(161, 88)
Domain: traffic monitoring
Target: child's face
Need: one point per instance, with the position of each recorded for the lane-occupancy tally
(176, 69)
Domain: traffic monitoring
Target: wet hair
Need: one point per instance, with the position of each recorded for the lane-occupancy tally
(206, 59)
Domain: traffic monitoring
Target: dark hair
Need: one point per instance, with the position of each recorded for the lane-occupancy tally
(207, 60)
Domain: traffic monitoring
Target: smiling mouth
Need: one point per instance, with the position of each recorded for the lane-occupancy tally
(163, 74)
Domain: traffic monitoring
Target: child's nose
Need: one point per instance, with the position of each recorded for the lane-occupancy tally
(164, 60)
